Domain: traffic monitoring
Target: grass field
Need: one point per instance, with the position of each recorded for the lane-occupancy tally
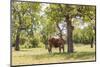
(41, 55)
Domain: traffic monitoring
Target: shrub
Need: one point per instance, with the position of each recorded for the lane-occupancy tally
(34, 42)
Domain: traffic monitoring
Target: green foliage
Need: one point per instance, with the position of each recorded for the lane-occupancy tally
(41, 45)
(35, 28)
(83, 35)
(35, 42)
(23, 18)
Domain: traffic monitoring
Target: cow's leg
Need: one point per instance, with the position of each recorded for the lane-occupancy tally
(50, 49)
(59, 49)
(63, 48)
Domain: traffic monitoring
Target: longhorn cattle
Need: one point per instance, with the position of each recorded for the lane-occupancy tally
(56, 43)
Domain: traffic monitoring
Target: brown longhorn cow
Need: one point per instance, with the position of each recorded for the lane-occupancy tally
(56, 43)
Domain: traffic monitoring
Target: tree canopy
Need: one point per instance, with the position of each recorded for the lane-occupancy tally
(33, 23)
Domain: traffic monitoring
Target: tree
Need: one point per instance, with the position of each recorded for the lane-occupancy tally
(59, 12)
(23, 15)
(31, 18)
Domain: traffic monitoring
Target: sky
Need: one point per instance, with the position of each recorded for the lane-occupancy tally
(44, 5)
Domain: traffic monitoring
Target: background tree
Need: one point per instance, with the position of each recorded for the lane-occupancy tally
(22, 15)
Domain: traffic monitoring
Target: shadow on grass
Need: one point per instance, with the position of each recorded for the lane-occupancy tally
(75, 55)
(55, 57)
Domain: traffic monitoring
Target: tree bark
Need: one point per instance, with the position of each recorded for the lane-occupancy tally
(69, 35)
(17, 41)
(92, 42)
(60, 31)
(17, 48)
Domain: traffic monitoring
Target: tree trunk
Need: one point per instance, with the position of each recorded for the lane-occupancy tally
(18, 32)
(17, 41)
(60, 31)
(69, 35)
(92, 42)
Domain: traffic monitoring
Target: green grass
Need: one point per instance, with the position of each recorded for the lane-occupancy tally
(41, 55)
